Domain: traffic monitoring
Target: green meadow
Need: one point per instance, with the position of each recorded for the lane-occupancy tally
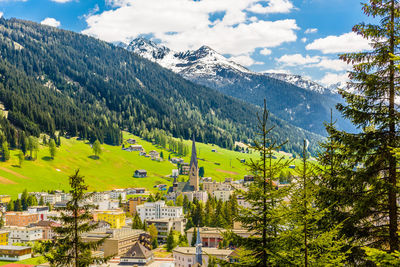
(114, 168)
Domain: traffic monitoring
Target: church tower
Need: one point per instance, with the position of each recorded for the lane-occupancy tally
(194, 169)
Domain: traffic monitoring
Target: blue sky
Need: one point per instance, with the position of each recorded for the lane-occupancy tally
(295, 36)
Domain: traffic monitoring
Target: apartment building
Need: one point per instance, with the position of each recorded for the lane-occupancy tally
(158, 210)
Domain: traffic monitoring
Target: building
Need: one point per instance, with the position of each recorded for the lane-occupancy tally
(165, 225)
(116, 219)
(137, 255)
(118, 241)
(47, 228)
(107, 205)
(48, 198)
(154, 154)
(199, 195)
(20, 218)
(211, 236)
(100, 196)
(132, 203)
(134, 148)
(131, 141)
(175, 173)
(4, 238)
(15, 253)
(140, 174)
(222, 194)
(23, 234)
(133, 191)
(4, 199)
(42, 211)
(118, 194)
(210, 187)
(186, 256)
(158, 210)
(184, 169)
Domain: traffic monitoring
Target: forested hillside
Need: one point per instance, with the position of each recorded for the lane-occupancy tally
(53, 79)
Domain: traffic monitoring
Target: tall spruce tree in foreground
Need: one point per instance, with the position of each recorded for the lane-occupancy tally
(265, 218)
(368, 187)
(306, 242)
(68, 248)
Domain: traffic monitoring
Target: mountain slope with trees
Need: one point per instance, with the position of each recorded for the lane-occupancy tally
(54, 79)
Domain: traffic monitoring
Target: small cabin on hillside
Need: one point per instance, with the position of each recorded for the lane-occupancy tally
(131, 141)
(140, 174)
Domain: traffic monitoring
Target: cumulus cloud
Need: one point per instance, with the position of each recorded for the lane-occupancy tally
(311, 30)
(265, 52)
(245, 60)
(304, 39)
(190, 23)
(333, 78)
(50, 22)
(313, 62)
(348, 42)
(273, 6)
(297, 60)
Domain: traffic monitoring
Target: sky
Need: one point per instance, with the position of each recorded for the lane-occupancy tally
(288, 36)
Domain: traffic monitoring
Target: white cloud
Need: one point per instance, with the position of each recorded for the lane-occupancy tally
(298, 60)
(265, 52)
(311, 30)
(1, 14)
(304, 39)
(348, 42)
(333, 78)
(332, 64)
(189, 21)
(273, 6)
(245, 60)
(313, 62)
(50, 22)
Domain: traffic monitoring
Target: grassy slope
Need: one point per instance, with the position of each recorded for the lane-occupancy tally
(114, 169)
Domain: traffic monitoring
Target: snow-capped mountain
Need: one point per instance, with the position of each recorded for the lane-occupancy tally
(302, 82)
(191, 64)
(293, 98)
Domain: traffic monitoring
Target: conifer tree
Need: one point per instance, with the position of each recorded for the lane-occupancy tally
(264, 218)
(68, 248)
(5, 151)
(96, 148)
(193, 241)
(369, 186)
(306, 243)
(52, 148)
(21, 158)
(170, 241)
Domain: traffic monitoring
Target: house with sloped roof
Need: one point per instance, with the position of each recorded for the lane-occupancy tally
(137, 255)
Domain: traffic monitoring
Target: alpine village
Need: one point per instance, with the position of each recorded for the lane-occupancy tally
(188, 133)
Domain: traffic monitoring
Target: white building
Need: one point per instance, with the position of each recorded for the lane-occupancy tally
(186, 256)
(42, 211)
(47, 198)
(107, 205)
(116, 193)
(23, 234)
(222, 194)
(100, 196)
(199, 195)
(158, 210)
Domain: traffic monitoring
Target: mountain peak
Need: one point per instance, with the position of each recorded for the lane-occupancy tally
(147, 48)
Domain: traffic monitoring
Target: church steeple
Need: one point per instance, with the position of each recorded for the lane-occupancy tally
(199, 252)
(194, 168)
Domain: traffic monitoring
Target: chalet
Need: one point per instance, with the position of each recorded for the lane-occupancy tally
(185, 168)
(248, 178)
(131, 141)
(177, 160)
(15, 253)
(138, 255)
(140, 173)
(142, 153)
(133, 148)
(154, 154)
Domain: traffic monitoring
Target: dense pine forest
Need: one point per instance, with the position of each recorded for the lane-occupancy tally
(57, 80)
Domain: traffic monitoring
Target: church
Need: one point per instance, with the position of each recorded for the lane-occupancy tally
(192, 185)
